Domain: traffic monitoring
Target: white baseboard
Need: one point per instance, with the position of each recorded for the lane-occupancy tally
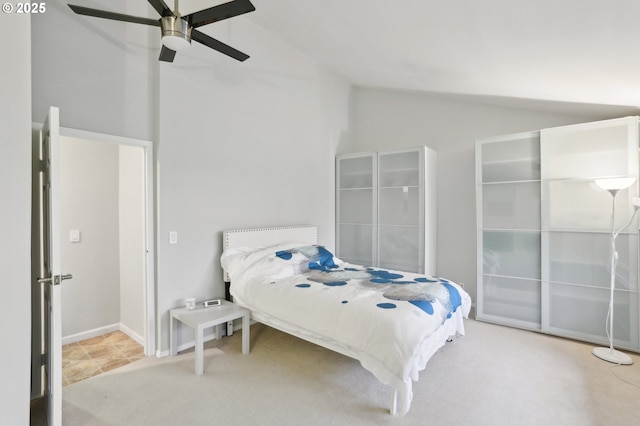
(192, 343)
(186, 345)
(88, 334)
(72, 338)
(129, 332)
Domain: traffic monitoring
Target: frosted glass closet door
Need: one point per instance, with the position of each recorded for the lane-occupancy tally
(508, 177)
(356, 201)
(576, 228)
(401, 210)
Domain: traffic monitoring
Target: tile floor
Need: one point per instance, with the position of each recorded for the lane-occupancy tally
(88, 358)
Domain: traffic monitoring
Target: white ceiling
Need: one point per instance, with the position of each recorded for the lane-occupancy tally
(577, 51)
(582, 51)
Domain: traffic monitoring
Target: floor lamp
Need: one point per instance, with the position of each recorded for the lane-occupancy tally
(613, 186)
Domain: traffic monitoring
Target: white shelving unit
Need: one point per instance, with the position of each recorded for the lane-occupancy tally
(508, 208)
(356, 208)
(543, 231)
(576, 224)
(386, 209)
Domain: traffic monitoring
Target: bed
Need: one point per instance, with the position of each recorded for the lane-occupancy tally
(390, 321)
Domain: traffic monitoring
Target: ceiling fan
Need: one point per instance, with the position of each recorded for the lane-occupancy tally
(178, 30)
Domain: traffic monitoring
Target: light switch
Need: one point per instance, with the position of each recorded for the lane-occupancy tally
(74, 236)
(173, 237)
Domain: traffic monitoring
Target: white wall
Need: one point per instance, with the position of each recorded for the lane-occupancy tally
(241, 145)
(236, 144)
(101, 73)
(253, 143)
(89, 203)
(102, 196)
(15, 214)
(386, 119)
(131, 206)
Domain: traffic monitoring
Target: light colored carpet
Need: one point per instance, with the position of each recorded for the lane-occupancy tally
(493, 376)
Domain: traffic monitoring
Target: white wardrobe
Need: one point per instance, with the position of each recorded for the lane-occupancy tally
(544, 231)
(386, 209)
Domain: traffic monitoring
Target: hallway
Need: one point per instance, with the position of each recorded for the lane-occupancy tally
(88, 358)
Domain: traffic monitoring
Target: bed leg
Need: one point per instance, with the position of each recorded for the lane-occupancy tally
(400, 399)
(393, 408)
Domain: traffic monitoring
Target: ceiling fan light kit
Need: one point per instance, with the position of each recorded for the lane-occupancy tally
(177, 31)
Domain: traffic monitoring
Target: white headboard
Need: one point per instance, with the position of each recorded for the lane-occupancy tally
(264, 237)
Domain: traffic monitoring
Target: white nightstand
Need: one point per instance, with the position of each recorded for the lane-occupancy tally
(201, 318)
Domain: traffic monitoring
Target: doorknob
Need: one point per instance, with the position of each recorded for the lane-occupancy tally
(57, 279)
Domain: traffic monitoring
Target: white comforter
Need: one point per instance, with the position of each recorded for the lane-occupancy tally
(393, 322)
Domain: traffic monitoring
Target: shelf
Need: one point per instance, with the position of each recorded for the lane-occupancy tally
(406, 267)
(527, 160)
(508, 311)
(532, 230)
(511, 182)
(511, 277)
(540, 215)
(510, 170)
(398, 202)
(512, 320)
(586, 315)
(358, 173)
(400, 170)
(400, 187)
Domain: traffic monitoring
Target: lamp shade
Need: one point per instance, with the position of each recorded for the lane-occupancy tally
(614, 183)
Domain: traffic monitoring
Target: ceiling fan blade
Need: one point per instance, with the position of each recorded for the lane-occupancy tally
(220, 12)
(161, 7)
(166, 54)
(218, 45)
(80, 10)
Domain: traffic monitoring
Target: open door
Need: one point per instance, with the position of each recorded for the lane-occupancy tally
(50, 276)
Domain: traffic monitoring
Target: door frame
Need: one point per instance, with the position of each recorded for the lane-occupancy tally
(150, 287)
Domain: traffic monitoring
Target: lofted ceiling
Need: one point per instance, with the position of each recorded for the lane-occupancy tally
(569, 51)
(578, 51)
